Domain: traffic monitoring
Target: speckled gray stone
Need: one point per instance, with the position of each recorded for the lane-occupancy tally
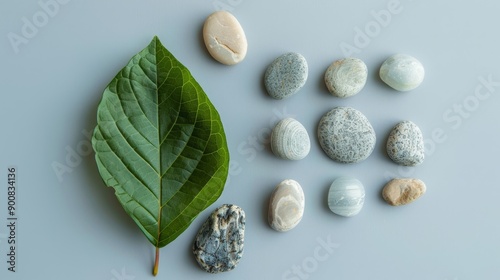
(405, 144)
(402, 72)
(346, 135)
(290, 140)
(346, 196)
(218, 246)
(346, 77)
(286, 75)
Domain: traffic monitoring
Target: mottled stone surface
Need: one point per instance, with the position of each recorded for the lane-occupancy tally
(224, 38)
(402, 72)
(346, 77)
(346, 135)
(403, 191)
(405, 144)
(218, 246)
(286, 206)
(286, 75)
(346, 196)
(290, 140)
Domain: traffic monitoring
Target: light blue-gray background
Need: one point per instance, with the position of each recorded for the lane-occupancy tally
(72, 227)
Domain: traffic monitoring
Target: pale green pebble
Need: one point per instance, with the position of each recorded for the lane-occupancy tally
(346, 196)
(402, 72)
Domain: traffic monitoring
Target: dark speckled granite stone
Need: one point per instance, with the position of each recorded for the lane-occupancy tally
(218, 246)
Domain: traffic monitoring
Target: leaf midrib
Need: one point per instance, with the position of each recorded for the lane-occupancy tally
(160, 173)
(162, 140)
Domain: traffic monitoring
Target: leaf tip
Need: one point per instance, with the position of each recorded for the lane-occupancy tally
(156, 40)
(156, 44)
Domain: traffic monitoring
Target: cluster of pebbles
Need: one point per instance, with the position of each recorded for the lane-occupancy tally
(344, 133)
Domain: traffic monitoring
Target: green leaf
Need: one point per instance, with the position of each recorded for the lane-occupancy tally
(160, 143)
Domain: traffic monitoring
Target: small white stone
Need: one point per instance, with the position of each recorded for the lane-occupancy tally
(402, 72)
(286, 206)
(346, 77)
(224, 38)
(346, 196)
(289, 140)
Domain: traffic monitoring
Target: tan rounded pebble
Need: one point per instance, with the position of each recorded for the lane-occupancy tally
(224, 38)
(403, 191)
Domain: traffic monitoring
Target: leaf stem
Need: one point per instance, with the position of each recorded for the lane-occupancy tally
(157, 262)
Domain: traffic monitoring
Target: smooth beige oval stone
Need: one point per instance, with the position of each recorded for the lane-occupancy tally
(224, 38)
(403, 191)
(286, 206)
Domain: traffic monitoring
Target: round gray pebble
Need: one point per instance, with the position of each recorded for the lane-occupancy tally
(405, 144)
(286, 75)
(346, 135)
(346, 77)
